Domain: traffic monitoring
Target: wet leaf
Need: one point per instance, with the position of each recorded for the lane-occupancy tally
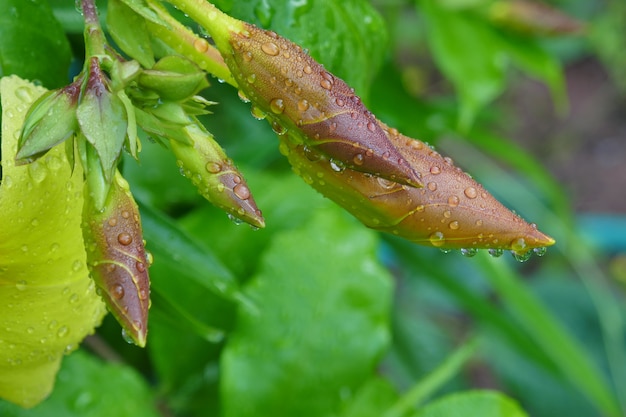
(30, 26)
(315, 329)
(89, 387)
(481, 403)
(48, 303)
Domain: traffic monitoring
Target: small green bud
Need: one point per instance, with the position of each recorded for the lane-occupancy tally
(205, 163)
(174, 78)
(117, 260)
(50, 121)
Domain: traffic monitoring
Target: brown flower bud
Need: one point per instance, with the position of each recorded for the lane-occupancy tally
(117, 261)
(451, 212)
(317, 108)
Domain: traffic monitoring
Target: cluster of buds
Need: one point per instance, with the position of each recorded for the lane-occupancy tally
(98, 116)
(388, 181)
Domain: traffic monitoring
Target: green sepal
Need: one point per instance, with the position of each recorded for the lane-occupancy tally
(132, 141)
(102, 119)
(171, 113)
(174, 78)
(97, 184)
(50, 121)
(160, 130)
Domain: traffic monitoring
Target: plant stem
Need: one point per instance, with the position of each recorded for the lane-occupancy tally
(94, 36)
(218, 24)
(187, 43)
(432, 381)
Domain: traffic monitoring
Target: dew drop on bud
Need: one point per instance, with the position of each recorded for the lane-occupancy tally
(435, 170)
(495, 253)
(270, 48)
(127, 338)
(540, 251)
(432, 186)
(358, 159)
(277, 105)
(124, 239)
(117, 291)
(470, 192)
(437, 239)
(241, 191)
(303, 105)
(213, 167)
(521, 256)
(141, 267)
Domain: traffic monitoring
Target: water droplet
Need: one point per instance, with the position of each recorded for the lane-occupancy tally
(24, 93)
(117, 291)
(496, 253)
(76, 265)
(124, 239)
(339, 102)
(371, 126)
(540, 251)
(213, 167)
(270, 48)
(257, 113)
(125, 214)
(251, 78)
(243, 97)
(469, 252)
(435, 170)
(303, 105)
(149, 258)
(247, 56)
(21, 285)
(337, 166)
(432, 186)
(127, 338)
(277, 105)
(236, 220)
(7, 182)
(326, 84)
(38, 172)
(521, 256)
(278, 128)
(453, 201)
(201, 45)
(437, 239)
(454, 225)
(141, 267)
(242, 191)
(470, 192)
(63, 331)
(307, 69)
(518, 245)
(358, 159)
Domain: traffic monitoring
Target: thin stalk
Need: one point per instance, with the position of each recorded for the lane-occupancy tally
(187, 43)
(433, 381)
(94, 36)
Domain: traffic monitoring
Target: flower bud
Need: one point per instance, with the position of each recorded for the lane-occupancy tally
(452, 211)
(116, 258)
(205, 163)
(174, 78)
(50, 121)
(317, 108)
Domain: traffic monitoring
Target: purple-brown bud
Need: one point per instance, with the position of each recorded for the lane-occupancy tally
(117, 260)
(317, 108)
(452, 211)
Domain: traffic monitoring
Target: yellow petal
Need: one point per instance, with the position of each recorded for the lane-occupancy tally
(48, 303)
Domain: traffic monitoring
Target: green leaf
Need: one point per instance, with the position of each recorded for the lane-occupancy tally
(315, 330)
(88, 387)
(32, 43)
(349, 37)
(48, 303)
(468, 53)
(476, 403)
(372, 399)
(102, 119)
(128, 30)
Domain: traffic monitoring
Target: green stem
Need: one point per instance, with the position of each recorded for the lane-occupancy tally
(94, 36)
(433, 381)
(218, 24)
(188, 44)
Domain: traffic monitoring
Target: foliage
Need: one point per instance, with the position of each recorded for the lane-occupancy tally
(314, 314)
